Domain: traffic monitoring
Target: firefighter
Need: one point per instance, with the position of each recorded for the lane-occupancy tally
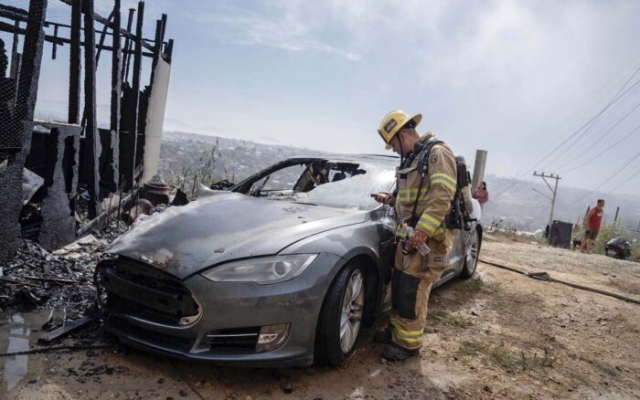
(426, 185)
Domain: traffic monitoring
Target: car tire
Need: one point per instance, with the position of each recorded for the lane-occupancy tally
(340, 320)
(471, 258)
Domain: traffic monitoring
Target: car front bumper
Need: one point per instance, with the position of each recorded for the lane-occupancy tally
(233, 313)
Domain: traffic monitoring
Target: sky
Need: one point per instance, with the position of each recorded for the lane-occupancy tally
(543, 86)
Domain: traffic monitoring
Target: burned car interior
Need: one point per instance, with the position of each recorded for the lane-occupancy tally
(298, 176)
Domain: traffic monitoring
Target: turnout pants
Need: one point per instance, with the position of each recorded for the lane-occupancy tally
(413, 276)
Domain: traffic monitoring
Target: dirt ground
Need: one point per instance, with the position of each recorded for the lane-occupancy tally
(501, 335)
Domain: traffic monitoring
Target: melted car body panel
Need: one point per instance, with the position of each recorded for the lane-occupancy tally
(206, 232)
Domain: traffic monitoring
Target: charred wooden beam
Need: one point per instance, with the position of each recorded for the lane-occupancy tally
(30, 69)
(54, 47)
(65, 330)
(103, 35)
(169, 51)
(97, 17)
(127, 46)
(91, 148)
(74, 63)
(57, 40)
(116, 94)
(137, 66)
(14, 13)
(21, 126)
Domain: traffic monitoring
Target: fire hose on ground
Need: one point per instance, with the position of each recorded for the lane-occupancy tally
(544, 276)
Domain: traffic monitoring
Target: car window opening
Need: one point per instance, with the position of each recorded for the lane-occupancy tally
(302, 178)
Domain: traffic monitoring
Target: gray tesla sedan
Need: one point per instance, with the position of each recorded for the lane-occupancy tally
(283, 269)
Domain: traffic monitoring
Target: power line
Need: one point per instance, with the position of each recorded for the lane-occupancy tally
(626, 181)
(587, 126)
(609, 178)
(634, 130)
(620, 94)
(604, 135)
(632, 61)
(616, 97)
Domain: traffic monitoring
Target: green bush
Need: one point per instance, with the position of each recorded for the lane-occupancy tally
(607, 232)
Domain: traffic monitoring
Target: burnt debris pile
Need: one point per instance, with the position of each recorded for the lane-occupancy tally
(37, 278)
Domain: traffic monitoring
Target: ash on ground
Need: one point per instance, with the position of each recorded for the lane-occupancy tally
(62, 279)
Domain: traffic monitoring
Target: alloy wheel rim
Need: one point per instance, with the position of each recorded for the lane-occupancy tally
(351, 313)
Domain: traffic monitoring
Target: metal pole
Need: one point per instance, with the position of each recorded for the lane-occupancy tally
(554, 190)
(553, 201)
(479, 168)
(615, 219)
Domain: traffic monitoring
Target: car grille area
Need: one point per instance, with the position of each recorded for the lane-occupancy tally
(151, 337)
(127, 287)
(232, 340)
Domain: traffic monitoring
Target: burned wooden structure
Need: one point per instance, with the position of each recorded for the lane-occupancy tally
(87, 162)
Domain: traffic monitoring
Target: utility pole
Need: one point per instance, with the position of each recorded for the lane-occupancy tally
(479, 168)
(554, 191)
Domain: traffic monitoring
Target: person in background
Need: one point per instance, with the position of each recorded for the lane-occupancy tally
(481, 194)
(592, 226)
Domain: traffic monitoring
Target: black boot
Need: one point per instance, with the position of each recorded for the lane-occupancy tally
(383, 336)
(395, 352)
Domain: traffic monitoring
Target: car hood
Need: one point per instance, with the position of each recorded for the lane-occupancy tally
(209, 231)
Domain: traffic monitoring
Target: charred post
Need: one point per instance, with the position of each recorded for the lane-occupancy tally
(130, 109)
(21, 125)
(74, 63)
(53, 156)
(91, 145)
(137, 66)
(116, 96)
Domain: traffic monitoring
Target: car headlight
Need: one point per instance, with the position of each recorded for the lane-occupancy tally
(264, 271)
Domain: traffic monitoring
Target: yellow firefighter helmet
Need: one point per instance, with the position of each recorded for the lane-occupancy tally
(393, 122)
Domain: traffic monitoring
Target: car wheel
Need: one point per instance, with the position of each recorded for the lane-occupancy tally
(471, 259)
(341, 316)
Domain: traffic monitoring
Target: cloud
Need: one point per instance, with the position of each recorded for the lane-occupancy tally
(283, 34)
(281, 31)
(512, 77)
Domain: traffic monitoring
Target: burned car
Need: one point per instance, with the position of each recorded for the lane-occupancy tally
(282, 269)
